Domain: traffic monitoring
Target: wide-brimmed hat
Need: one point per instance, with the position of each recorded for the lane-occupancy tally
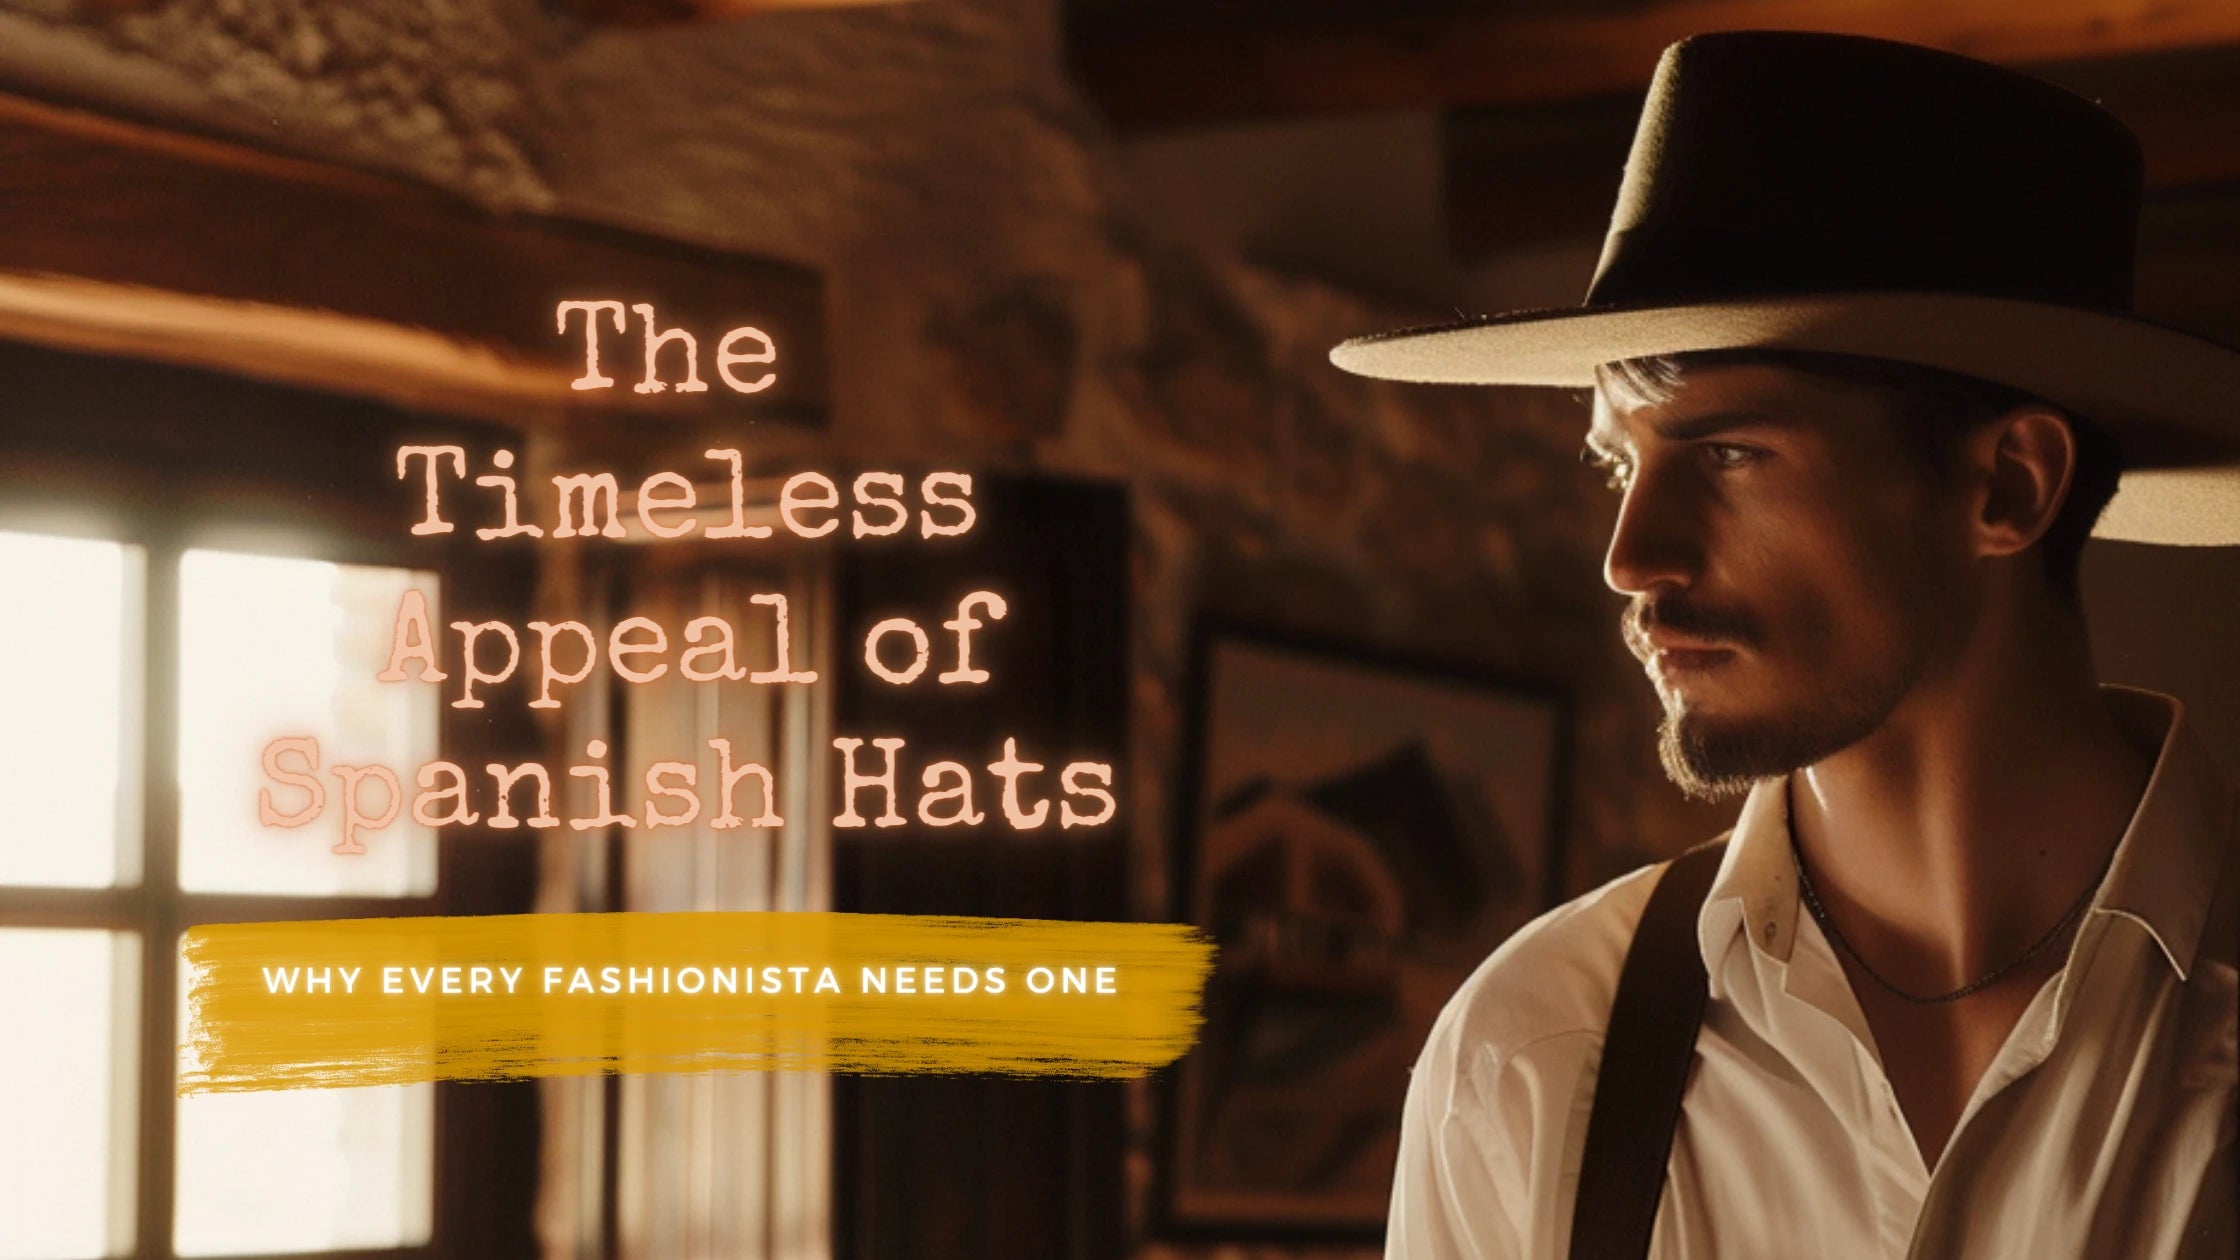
(1847, 195)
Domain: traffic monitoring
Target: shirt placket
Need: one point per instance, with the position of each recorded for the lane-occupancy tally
(1865, 1103)
(1898, 1179)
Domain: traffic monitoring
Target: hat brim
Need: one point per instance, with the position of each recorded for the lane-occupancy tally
(2168, 396)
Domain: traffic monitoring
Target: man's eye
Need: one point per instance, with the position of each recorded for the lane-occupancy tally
(1728, 455)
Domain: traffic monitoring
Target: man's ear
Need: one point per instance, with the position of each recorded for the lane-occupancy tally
(2023, 462)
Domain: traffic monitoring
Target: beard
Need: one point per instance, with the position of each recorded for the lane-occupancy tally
(1712, 757)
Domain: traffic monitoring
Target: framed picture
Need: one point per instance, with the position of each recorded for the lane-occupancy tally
(1357, 832)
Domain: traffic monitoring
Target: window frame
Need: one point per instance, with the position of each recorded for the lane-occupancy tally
(93, 449)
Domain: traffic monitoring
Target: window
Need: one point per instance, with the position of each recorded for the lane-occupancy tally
(190, 566)
(260, 645)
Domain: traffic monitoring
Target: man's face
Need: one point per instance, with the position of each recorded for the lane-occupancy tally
(1792, 566)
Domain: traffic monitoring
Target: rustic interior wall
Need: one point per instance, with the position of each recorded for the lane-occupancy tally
(995, 298)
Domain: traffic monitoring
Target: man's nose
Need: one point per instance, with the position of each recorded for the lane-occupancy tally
(1658, 540)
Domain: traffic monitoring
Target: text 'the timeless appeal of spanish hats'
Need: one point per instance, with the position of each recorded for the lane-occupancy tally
(1857, 196)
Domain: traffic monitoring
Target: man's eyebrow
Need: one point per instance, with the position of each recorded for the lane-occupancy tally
(1715, 422)
(1609, 443)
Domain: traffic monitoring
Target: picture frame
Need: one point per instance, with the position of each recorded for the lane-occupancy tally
(1356, 829)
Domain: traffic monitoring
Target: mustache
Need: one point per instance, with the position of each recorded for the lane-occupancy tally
(1680, 615)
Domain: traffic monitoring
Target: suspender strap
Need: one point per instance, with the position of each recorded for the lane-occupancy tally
(1646, 1055)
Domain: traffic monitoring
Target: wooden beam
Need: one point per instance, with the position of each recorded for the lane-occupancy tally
(124, 239)
(1517, 176)
(658, 12)
(1155, 64)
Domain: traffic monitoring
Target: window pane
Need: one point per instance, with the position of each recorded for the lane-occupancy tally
(66, 1148)
(69, 711)
(305, 1170)
(273, 647)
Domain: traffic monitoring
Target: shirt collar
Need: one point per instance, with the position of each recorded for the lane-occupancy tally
(2162, 876)
(1758, 877)
(2167, 864)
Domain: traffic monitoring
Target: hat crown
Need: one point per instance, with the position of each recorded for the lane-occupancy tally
(1774, 162)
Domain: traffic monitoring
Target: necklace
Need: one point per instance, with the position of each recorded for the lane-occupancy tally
(1985, 981)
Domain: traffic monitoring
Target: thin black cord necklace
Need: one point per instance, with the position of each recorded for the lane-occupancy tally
(1985, 981)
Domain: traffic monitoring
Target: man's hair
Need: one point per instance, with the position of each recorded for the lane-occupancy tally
(1935, 409)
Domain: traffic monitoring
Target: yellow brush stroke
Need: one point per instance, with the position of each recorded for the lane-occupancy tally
(241, 1036)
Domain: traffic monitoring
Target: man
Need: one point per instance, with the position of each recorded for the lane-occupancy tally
(1962, 982)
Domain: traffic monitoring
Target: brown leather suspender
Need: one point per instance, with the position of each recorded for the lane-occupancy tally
(1646, 1055)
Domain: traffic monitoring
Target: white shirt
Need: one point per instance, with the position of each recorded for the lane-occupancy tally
(2105, 1126)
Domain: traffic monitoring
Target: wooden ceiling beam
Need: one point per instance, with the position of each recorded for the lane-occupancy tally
(1154, 65)
(123, 239)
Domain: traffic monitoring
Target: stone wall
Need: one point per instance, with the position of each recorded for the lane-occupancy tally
(995, 299)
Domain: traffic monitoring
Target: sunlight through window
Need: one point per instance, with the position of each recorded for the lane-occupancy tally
(69, 711)
(66, 1147)
(271, 647)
